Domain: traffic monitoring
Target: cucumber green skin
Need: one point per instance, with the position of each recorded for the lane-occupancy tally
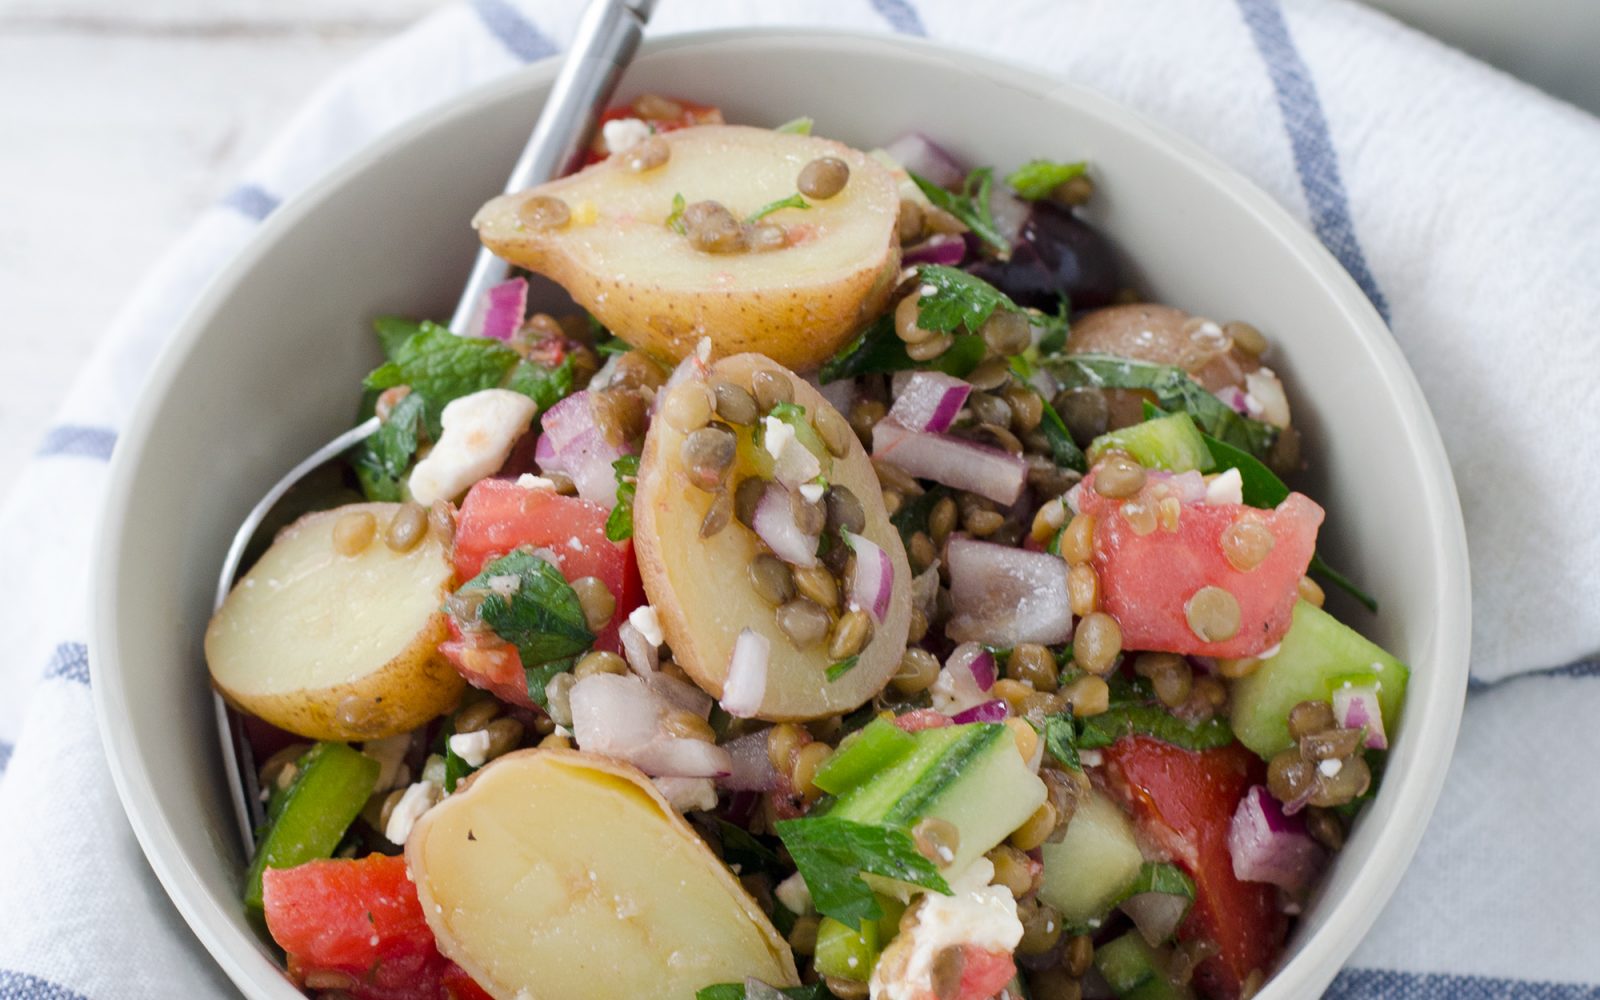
(874, 748)
(1134, 970)
(1318, 654)
(838, 945)
(1093, 867)
(971, 776)
(334, 783)
(1172, 443)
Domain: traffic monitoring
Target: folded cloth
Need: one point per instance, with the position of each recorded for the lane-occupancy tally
(1460, 200)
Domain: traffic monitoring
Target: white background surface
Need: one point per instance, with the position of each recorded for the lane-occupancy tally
(120, 121)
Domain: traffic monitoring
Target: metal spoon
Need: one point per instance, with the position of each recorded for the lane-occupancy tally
(606, 39)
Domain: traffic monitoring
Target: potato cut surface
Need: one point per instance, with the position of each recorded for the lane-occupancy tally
(556, 875)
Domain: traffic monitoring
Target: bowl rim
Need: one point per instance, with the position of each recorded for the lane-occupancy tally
(1433, 724)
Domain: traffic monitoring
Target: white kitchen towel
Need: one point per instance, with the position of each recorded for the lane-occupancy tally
(1463, 203)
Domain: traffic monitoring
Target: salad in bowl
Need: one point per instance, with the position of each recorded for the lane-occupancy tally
(859, 590)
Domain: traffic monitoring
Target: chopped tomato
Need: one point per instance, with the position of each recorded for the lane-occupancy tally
(1147, 580)
(356, 925)
(1183, 803)
(984, 973)
(692, 114)
(918, 719)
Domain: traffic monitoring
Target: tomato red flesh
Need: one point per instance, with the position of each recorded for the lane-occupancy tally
(1147, 580)
(359, 921)
(1183, 802)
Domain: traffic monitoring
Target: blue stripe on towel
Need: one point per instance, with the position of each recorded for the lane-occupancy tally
(69, 662)
(510, 28)
(21, 986)
(252, 201)
(901, 16)
(1381, 984)
(1314, 156)
(73, 439)
(1581, 668)
(5, 755)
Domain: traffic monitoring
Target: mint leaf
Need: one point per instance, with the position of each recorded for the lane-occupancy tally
(951, 299)
(1130, 718)
(793, 201)
(832, 853)
(1037, 178)
(1167, 879)
(796, 126)
(843, 667)
(675, 219)
(879, 351)
(1061, 740)
(441, 367)
(619, 523)
(381, 460)
(393, 331)
(545, 386)
(528, 603)
(971, 206)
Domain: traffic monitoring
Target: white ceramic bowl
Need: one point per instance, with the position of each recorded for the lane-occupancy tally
(267, 366)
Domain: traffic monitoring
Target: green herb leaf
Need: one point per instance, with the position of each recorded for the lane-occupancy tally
(741, 847)
(1037, 178)
(528, 603)
(1063, 450)
(793, 201)
(1151, 720)
(951, 299)
(545, 386)
(736, 991)
(843, 667)
(382, 459)
(1061, 740)
(971, 206)
(796, 126)
(394, 331)
(832, 853)
(912, 516)
(675, 219)
(1167, 879)
(1343, 582)
(612, 345)
(1056, 328)
(879, 351)
(441, 367)
(455, 766)
(1174, 390)
(619, 523)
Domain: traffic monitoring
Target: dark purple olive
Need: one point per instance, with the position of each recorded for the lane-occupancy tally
(1057, 254)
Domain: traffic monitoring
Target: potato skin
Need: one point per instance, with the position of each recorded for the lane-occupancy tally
(649, 286)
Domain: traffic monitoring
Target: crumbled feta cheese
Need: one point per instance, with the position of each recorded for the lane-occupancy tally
(1090, 758)
(418, 799)
(433, 769)
(504, 584)
(1264, 388)
(685, 794)
(976, 913)
(529, 481)
(622, 134)
(777, 438)
(1225, 488)
(794, 894)
(390, 753)
(812, 491)
(479, 431)
(1330, 768)
(644, 619)
(471, 747)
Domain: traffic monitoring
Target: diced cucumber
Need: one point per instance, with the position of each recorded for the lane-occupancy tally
(970, 776)
(1172, 442)
(1094, 866)
(1136, 971)
(846, 953)
(864, 753)
(1318, 654)
(334, 783)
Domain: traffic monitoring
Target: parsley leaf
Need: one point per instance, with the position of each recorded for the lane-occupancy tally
(1037, 178)
(795, 200)
(952, 299)
(381, 460)
(796, 126)
(619, 523)
(528, 603)
(441, 367)
(843, 667)
(971, 206)
(1061, 740)
(832, 853)
(675, 219)
(879, 351)
(545, 386)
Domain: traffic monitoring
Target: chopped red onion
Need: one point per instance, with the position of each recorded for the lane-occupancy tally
(684, 758)
(684, 794)
(922, 156)
(946, 249)
(983, 670)
(752, 767)
(964, 680)
(574, 444)
(774, 522)
(959, 464)
(873, 581)
(1269, 846)
(1235, 398)
(746, 683)
(503, 307)
(1356, 706)
(929, 401)
(1009, 213)
(1156, 915)
(1004, 596)
(643, 656)
(989, 711)
(1188, 487)
(621, 716)
(841, 394)
(792, 462)
(680, 693)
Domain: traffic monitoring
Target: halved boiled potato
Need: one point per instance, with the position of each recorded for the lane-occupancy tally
(701, 588)
(556, 875)
(337, 647)
(647, 283)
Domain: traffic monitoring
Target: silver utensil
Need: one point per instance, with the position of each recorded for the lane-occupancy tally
(606, 39)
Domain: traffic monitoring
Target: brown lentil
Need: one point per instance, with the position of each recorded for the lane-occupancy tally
(1040, 704)
(1212, 614)
(1289, 776)
(406, 528)
(1210, 691)
(1097, 643)
(1083, 589)
(1246, 337)
(1032, 664)
(864, 416)
(931, 348)
(833, 429)
(686, 725)
(599, 662)
(844, 510)
(562, 484)
(1311, 592)
(1036, 829)
(803, 621)
(1027, 407)
(1246, 542)
(1013, 692)
(803, 935)
(782, 742)
(708, 455)
(1168, 511)
(847, 989)
(505, 735)
(770, 388)
(543, 212)
(1084, 411)
(442, 522)
(1024, 736)
(989, 409)
(1310, 717)
(1351, 781)
(1053, 984)
(558, 698)
(1006, 332)
(329, 979)
(1041, 927)
(991, 375)
(1047, 520)
(735, 404)
(1079, 955)
(771, 579)
(919, 626)
(1012, 869)
(353, 532)
(942, 520)
(1330, 744)
(1118, 477)
(718, 515)
(1235, 669)
(687, 407)
(1077, 542)
(945, 975)
(892, 500)
(1002, 437)
(1174, 685)
(648, 155)
(1089, 695)
(908, 224)
(807, 761)
(713, 229)
(823, 177)
(745, 497)
(599, 604)
(983, 523)
(917, 672)
(936, 839)
(477, 715)
(1325, 827)
(921, 551)
(810, 516)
